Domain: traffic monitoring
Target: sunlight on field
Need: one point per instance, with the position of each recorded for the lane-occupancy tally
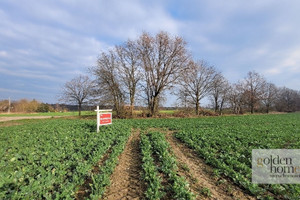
(38, 155)
(83, 113)
(167, 111)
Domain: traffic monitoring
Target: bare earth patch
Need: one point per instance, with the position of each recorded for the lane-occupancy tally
(4, 119)
(126, 181)
(200, 175)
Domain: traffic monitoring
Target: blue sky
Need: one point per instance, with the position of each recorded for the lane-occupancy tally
(45, 43)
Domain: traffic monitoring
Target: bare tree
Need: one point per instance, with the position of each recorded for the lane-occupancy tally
(183, 99)
(197, 81)
(108, 81)
(236, 98)
(4, 106)
(288, 100)
(129, 69)
(254, 85)
(220, 88)
(78, 91)
(163, 59)
(269, 95)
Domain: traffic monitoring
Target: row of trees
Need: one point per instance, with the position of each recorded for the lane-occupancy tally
(253, 93)
(24, 105)
(146, 68)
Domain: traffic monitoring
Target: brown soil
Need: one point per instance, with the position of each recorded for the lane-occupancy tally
(85, 189)
(200, 176)
(4, 119)
(126, 181)
(164, 181)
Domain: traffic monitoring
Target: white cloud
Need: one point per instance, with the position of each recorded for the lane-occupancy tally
(255, 35)
(3, 54)
(56, 39)
(31, 74)
(273, 71)
(292, 61)
(12, 91)
(288, 63)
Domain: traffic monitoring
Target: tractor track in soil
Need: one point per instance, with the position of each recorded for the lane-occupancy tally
(126, 181)
(200, 175)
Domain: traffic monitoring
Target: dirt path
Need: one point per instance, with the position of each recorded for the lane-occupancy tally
(4, 119)
(126, 182)
(200, 175)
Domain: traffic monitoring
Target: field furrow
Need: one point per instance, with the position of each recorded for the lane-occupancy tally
(202, 158)
(200, 176)
(126, 181)
(85, 189)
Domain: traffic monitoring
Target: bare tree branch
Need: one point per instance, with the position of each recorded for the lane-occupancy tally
(129, 69)
(78, 91)
(108, 81)
(253, 86)
(163, 59)
(220, 92)
(196, 82)
(269, 95)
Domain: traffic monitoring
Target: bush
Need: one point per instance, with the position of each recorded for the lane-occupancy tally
(43, 107)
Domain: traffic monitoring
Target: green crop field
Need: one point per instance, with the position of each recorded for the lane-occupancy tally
(67, 159)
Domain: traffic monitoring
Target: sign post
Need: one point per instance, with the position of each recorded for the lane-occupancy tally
(104, 117)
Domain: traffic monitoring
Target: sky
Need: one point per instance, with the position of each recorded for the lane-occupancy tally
(45, 43)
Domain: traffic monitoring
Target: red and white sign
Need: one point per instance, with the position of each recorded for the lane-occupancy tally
(105, 118)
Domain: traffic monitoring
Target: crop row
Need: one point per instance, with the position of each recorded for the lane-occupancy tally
(151, 177)
(51, 159)
(226, 143)
(155, 144)
(227, 147)
(102, 179)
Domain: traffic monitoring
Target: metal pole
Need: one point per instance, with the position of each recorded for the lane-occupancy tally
(98, 119)
(8, 105)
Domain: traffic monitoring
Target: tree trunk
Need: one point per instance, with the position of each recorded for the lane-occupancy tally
(131, 105)
(79, 109)
(153, 107)
(119, 109)
(221, 107)
(216, 104)
(197, 107)
(252, 108)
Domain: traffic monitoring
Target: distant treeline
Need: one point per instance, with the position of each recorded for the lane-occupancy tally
(30, 106)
